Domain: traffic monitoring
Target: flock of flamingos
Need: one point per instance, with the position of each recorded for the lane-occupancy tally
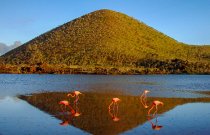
(113, 107)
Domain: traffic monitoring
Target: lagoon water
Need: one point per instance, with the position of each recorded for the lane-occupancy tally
(19, 117)
(160, 85)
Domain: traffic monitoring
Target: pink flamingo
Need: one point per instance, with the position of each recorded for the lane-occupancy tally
(66, 104)
(75, 94)
(77, 112)
(74, 113)
(155, 104)
(143, 98)
(69, 118)
(114, 116)
(115, 102)
(155, 126)
(64, 123)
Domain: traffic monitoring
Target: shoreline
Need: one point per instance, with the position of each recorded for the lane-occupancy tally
(97, 71)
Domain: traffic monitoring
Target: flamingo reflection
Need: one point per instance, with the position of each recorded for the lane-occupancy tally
(75, 94)
(155, 125)
(68, 118)
(64, 123)
(155, 104)
(113, 114)
(65, 113)
(143, 98)
(114, 111)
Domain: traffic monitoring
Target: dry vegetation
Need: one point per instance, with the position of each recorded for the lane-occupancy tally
(107, 39)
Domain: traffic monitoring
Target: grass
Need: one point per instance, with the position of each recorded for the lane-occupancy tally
(93, 106)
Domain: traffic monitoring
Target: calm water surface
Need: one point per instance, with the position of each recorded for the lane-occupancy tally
(160, 85)
(188, 119)
(19, 117)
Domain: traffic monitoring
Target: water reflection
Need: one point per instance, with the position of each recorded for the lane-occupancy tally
(114, 115)
(167, 85)
(155, 105)
(187, 119)
(114, 103)
(154, 125)
(76, 95)
(66, 119)
(77, 110)
(95, 118)
(64, 104)
(17, 117)
(143, 98)
(114, 111)
(66, 116)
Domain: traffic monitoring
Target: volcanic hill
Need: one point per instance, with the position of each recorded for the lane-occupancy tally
(106, 38)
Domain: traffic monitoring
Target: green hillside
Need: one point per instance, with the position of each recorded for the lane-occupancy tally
(105, 38)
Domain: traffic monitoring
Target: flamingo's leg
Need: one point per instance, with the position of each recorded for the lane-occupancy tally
(117, 107)
(114, 106)
(65, 107)
(77, 98)
(110, 105)
(142, 102)
(62, 108)
(71, 110)
(150, 110)
(156, 109)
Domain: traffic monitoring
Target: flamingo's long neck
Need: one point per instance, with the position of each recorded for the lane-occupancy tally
(71, 95)
(143, 103)
(143, 100)
(145, 97)
(142, 95)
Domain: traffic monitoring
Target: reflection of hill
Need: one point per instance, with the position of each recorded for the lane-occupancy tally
(95, 118)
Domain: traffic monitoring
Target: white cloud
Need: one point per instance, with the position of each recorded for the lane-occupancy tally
(5, 48)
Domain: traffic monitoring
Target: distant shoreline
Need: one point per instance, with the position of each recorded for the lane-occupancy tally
(146, 67)
(101, 71)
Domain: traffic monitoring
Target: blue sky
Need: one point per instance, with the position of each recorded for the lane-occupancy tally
(187, 21)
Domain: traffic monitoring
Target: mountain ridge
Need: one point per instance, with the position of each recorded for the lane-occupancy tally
(103, 38)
